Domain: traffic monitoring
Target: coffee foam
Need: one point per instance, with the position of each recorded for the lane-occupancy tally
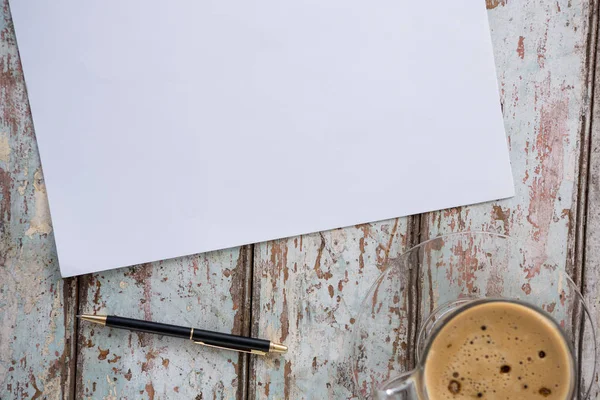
(499, 350)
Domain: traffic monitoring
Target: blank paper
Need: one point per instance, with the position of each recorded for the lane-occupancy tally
(173, 128)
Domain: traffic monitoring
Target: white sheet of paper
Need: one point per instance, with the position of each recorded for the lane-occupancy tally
(172, 128)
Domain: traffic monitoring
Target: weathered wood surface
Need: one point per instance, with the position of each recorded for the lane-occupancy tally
(307, 293)
(306, 290)
(541, 57)
(36, 305)
(206, 291)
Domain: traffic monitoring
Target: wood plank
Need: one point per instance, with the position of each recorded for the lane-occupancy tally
(591, 273)
(36, 306)
(540, 54)
(591, 289)
(542, 60)
(207, 291)
(307, 293)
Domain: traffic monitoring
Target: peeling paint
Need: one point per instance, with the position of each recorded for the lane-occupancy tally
(320, 300)
(135, 360)
(4, 148)
(40, 223)
(546, 183)
(521, 47)
(491, 4)
(150, 390)
(36, 323)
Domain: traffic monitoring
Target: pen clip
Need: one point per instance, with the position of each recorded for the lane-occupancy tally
(258, 352)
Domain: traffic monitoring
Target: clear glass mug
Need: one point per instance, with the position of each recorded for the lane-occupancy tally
(433, 280)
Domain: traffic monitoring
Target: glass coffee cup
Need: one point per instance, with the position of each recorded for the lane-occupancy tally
(488, 325)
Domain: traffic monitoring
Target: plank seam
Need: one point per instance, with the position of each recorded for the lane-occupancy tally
(578, 259)
(248, 390)
(244, 384)
(75, 344)
(414, 293)
(82, 292)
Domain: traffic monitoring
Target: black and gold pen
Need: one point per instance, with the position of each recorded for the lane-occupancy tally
(224, 341)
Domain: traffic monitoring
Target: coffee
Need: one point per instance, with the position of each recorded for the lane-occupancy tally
(499, 350)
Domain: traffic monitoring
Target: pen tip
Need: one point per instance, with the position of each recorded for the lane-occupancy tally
(78, 316)
(98, 319)
(278, 348)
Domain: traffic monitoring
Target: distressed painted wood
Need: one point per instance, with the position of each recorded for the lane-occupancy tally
(36, 305)
(307, 292)
(206, 291)
(541, 50)
(591, 274)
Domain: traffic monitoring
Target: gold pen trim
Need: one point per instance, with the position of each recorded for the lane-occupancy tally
(277, 348)
(192, 334)
(98, 319)
(258, 352)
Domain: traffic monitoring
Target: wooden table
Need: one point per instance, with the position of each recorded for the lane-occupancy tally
(546, 60)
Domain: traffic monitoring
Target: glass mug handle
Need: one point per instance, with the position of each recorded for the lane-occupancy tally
(402, 387)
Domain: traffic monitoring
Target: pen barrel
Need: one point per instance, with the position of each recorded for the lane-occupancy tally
(225, 340)
(235, 342)
(148, 326)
